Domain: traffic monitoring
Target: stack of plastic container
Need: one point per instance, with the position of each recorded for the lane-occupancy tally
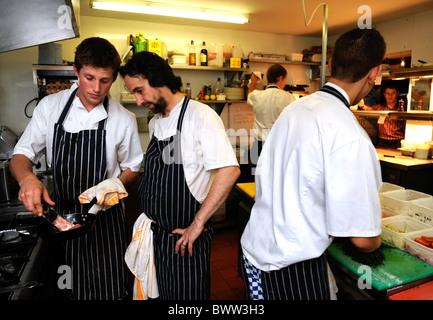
(410, 220)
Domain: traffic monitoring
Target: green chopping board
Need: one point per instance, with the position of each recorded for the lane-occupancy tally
(398, 267)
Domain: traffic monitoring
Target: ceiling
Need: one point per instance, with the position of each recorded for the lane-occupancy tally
(283, 16)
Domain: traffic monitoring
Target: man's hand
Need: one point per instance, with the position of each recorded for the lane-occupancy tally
(189, 235)
(32, 190)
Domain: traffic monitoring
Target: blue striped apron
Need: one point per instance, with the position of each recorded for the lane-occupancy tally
(96, 258)
(166, 199)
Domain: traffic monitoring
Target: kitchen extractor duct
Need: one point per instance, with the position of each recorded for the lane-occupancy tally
(27, 23)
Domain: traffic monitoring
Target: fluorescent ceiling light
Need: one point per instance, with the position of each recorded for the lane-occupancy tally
(174, 10)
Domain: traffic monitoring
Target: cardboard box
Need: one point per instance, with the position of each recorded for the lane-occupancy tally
(235, 62)
(154, 46)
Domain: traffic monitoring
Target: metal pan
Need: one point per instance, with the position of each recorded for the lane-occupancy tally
(48, 231)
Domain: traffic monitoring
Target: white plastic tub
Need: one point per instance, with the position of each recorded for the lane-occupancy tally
(389, 213)
(401, 200)
(396, 229)
(418, 250)
(422, 210)
(386, 187)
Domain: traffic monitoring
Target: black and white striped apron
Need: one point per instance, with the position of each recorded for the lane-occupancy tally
(96, 258)
(166, 199)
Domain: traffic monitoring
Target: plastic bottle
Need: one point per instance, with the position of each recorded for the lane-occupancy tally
(217, 89)
(227, 54)
(188, 90)
(140, 44)
(135, 42)
(211, 55)
(192, 54)
(131, 42)
(164, 51)
(203, 55)
(219, 55)
(237, 52)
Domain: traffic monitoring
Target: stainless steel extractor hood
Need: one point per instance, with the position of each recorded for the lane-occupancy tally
(27, 23)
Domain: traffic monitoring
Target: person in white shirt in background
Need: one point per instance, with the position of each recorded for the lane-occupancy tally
(267, 105)
(317, 178)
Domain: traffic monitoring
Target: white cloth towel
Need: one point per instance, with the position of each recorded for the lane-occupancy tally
(107, 193)
(140, 260)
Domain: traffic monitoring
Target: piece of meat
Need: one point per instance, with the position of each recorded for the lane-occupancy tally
(64, 225)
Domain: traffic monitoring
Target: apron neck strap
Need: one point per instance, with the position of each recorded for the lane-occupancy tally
(335, 93)
(103, 122)
(182, 113)
(272, 86)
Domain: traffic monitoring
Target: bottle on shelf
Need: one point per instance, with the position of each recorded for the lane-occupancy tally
(203, 55)
(131, 42)
(211, 55)
(227, 54)
(217, 89)
(188, 90)
(192, 54)
(140, 43)
(164, 51)
(219, 55)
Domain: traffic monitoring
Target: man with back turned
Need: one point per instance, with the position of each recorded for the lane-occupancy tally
(317, 178)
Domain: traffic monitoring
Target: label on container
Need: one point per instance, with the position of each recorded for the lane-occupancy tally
(155, 46)
(235, 62)
(192, 59)
(203, 57)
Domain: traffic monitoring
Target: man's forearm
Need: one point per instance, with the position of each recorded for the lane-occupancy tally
(128, 177)
(20, 167)
(218, 193)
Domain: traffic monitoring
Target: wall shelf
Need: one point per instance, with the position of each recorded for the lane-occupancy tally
(284, 62)
(205, 68)
(408, 72)
(412, 115)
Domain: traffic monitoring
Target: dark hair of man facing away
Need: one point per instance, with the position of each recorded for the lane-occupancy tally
(356, 53)
(99, 53)
(153, 68)
(274, 72)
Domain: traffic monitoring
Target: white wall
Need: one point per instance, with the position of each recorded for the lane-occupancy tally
(409, 33)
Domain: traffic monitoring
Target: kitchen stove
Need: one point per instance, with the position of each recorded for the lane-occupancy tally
(21, 252)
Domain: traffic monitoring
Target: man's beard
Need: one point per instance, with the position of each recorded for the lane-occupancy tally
(158, 106)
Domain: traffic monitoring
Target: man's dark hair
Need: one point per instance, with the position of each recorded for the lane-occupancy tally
(390, 85)
(153, 68)
(355, 53)
(97, 52)
(275, 71)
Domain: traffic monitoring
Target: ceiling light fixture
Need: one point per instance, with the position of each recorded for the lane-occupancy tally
(174, 10)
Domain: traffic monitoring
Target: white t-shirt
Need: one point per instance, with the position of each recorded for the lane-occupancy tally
(318, 177)
(122, 139)
(267, 105)
(205, 145)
